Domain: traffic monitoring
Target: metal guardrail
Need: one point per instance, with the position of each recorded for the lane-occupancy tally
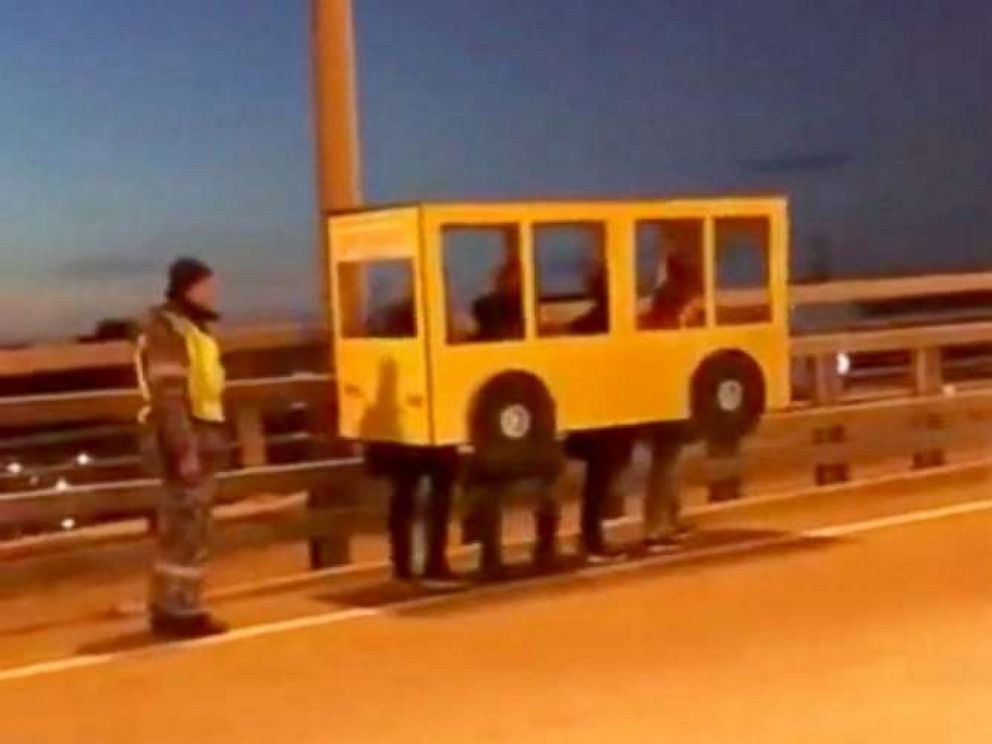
(919, 418)
(77, 357)
(136, 498)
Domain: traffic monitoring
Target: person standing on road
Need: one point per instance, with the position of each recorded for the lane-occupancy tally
(405, 468)
(491, 498)
(182, 379)
(663, 524)
(606, 452)
(498, 316)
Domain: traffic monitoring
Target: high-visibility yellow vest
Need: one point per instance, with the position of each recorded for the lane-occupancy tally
(205, 376)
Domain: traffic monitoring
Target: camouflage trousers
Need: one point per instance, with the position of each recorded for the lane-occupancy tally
(183, 525)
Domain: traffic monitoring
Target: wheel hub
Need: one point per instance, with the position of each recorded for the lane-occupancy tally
(730, 396)
(515, 421)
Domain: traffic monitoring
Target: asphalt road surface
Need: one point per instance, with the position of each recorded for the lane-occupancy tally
(853, 617)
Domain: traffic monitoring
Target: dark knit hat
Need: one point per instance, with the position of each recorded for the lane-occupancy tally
(183, 274)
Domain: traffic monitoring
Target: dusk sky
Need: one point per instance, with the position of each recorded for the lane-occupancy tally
(134, 131)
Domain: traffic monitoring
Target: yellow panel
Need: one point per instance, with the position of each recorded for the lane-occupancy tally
(382, 391)
(381, 382)
(626, 377)
(373, 235)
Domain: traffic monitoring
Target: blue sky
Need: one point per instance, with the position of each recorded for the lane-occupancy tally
(130, 132)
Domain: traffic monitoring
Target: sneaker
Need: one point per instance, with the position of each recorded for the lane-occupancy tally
(662, 544)
(442, 578)
(604, 557)
(172, 627)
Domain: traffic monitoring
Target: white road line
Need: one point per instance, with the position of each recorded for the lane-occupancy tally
(342, 616)
(57, 666)
(901, 520)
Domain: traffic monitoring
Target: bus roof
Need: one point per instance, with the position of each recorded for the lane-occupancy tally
(590, 202)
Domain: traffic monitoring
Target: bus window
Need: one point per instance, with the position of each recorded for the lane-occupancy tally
(482, 284)
(376, 299)
(743, 295)
(670, 274)
(571, 279)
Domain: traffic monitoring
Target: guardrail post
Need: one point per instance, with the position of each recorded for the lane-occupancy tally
(928, 379)
(830, 468)
(828, 385)
(928, 372)
(330, 509)
(931, 453)
(329, 542)
(250, 429)
(723, 468)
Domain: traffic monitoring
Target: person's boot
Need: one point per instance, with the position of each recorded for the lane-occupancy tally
(547, 559)
(493, 572)
(186, 627)
(491, 566)
(402, 562)
(401, 554)
(402, 572)
(546, 554)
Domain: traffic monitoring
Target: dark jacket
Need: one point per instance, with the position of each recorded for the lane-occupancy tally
(165, 363)
(498, 316)
(596, 320)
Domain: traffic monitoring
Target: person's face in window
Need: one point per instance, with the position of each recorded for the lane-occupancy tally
(508, 277)
(682, 274)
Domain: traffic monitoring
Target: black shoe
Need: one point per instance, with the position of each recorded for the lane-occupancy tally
(547, 560)
(493, 573)
(402, 573)
(186, 627)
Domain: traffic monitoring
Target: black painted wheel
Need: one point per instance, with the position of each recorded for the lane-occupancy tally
(512, 429)
(728, 397)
